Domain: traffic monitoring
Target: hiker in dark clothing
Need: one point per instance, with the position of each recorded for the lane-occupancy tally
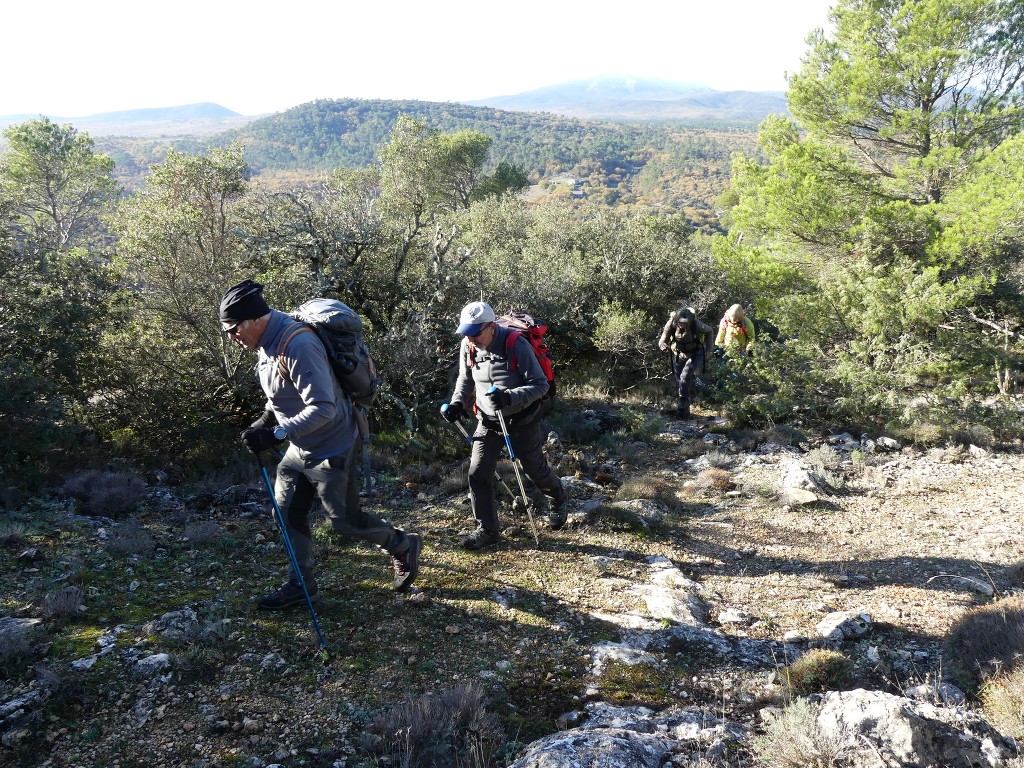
(485, 363)
(306, 406)
(685, 335)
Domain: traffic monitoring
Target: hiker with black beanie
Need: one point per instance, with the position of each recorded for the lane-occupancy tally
(306, 406)
(686, 336)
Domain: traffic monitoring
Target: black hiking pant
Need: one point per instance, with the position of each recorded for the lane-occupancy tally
(683, 371)
(528, 444)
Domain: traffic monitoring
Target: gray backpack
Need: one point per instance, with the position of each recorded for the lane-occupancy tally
(340, 329)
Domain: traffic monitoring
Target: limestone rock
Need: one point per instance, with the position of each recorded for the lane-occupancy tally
(909, 733)
(844, 625)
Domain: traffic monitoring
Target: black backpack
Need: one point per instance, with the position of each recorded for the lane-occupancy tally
(340, 329)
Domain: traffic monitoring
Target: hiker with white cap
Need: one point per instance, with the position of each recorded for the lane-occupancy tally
(496, 376)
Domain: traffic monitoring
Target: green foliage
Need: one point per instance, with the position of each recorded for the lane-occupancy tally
(170, 370)
(506, 178)
(50, 308)
(666, 166)
(58, 183)
(881, 235)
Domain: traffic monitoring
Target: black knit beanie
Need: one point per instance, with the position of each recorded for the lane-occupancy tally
(243, 302)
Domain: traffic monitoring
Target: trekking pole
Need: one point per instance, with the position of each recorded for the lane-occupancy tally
(279, 518)
(515, 466)
(465, 434)
(363, 424)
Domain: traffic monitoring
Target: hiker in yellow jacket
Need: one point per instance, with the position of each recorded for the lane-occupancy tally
(735, 333)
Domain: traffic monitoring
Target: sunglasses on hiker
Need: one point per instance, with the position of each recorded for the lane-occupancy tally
(233, 330)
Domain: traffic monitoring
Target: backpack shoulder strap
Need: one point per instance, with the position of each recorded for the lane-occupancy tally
(284, 341)
(510, 342)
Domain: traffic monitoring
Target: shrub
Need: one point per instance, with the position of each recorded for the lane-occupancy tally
(455, 480)
(985, 641)
(646, 487)
(795, 740)
(720, 459)
(202, 533)
(420, 474)
(449, 728)
(817, 670)
(111, 494)
(12, 533)
(17, 645)
(66, 602)
(824, 457)
(710, 480)
(128, 539)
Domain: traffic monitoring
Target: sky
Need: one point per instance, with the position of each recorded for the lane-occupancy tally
(68, 58)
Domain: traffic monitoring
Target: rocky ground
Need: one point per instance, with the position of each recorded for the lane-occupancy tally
(698, 560)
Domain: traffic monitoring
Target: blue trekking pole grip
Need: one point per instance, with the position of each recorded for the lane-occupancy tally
(515, 466)
(458, 424)
(279, 518)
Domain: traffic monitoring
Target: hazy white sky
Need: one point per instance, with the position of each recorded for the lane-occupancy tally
(69, 58)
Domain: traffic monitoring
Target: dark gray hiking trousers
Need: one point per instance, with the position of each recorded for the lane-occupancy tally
(488, 445)
(336, 482)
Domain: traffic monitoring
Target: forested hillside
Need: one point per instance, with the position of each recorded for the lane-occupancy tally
(670, 165)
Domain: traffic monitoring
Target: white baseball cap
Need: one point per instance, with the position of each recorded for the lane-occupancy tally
(474, 317)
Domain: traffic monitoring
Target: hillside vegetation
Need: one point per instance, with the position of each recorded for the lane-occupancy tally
(669, 165)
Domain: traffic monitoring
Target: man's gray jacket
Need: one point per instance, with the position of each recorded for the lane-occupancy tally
(307, 400)
(490, 367)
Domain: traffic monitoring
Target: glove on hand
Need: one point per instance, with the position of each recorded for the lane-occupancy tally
(258, 439)
(267, 419)
(500, 398)
(453, 412)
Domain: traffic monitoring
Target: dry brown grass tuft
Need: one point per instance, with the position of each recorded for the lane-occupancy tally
(795, 740)
(711, 480)
(65, 602)
(128, 539)
(817, 670)
(1003, 701)
(452, 727)
(985, 642)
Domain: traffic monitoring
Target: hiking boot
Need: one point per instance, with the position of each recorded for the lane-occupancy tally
(407, 564)
(289, 594)
(683, 409)
(480, 538)
(559, 514)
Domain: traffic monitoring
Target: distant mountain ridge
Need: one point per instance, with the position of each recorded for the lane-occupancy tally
(608, 97)
(620, 97)
(203, 118)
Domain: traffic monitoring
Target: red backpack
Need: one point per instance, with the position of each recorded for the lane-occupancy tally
(521, 324)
